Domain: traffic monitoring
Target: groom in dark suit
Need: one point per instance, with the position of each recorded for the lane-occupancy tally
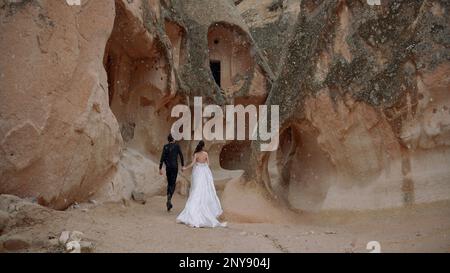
(169, 157)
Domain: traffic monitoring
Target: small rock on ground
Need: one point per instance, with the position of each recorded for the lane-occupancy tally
(15, 243)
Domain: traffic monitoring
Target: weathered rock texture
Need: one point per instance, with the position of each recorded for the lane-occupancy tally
(87, 90)
(270, 23)
(364, 104)
(59, 140)
(86, 94)
(19, 214)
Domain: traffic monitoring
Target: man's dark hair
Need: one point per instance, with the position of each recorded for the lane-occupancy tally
(170, 138)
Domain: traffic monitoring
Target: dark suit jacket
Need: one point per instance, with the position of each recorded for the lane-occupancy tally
(169, 156)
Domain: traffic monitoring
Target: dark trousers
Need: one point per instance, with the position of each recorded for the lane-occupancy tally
(171, 174)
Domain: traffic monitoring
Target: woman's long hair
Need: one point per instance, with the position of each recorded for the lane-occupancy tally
(199, 147)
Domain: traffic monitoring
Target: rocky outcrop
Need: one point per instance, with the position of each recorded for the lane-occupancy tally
(16, 213)
(270, 23)
(19, 215)
(158, 56)
(87, 90)
(363, 124)
(59, 140)
(87, 93)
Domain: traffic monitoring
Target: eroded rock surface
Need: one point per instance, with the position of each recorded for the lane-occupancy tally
(363, 124)
(59, 140)
(86, 95)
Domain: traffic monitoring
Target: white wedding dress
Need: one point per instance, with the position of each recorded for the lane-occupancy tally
(203, 206)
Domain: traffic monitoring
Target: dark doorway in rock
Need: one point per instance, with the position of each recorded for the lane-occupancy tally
(110, 74)
(216, 70)
(235, 155)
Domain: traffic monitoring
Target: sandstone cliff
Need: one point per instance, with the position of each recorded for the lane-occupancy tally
(86, 93)
(364, 94)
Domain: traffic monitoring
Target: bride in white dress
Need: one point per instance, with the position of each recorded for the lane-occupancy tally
(203, 206)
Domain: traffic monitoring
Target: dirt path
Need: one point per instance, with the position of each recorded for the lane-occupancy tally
(149, 228)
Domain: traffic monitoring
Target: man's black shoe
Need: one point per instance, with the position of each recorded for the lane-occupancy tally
(169, 205)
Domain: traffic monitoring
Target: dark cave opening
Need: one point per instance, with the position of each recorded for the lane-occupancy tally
(300, 171)
(216, 71)
(137, 76)
(108, 67)
(235, 155)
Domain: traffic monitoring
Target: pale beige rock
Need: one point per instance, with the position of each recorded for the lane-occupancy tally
(53, 144)
(97, 85)
(365, 120)
(76, 236)
(87, 93)
(64, 237)
(23, 213)
(87, 247)
(136, 172)
(73, 247)
(8, 202)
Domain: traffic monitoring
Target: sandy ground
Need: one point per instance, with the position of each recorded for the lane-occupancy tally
(134, 227)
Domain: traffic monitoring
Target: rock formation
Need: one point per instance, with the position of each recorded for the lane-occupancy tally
(86, 96)
(59, 139)
(363, 92)
(87, 90)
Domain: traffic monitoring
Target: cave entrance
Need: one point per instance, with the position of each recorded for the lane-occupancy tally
(109, 72)
(235, 155)
(137, 74)
(300, 171)
(216, 71)
(230, 55)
